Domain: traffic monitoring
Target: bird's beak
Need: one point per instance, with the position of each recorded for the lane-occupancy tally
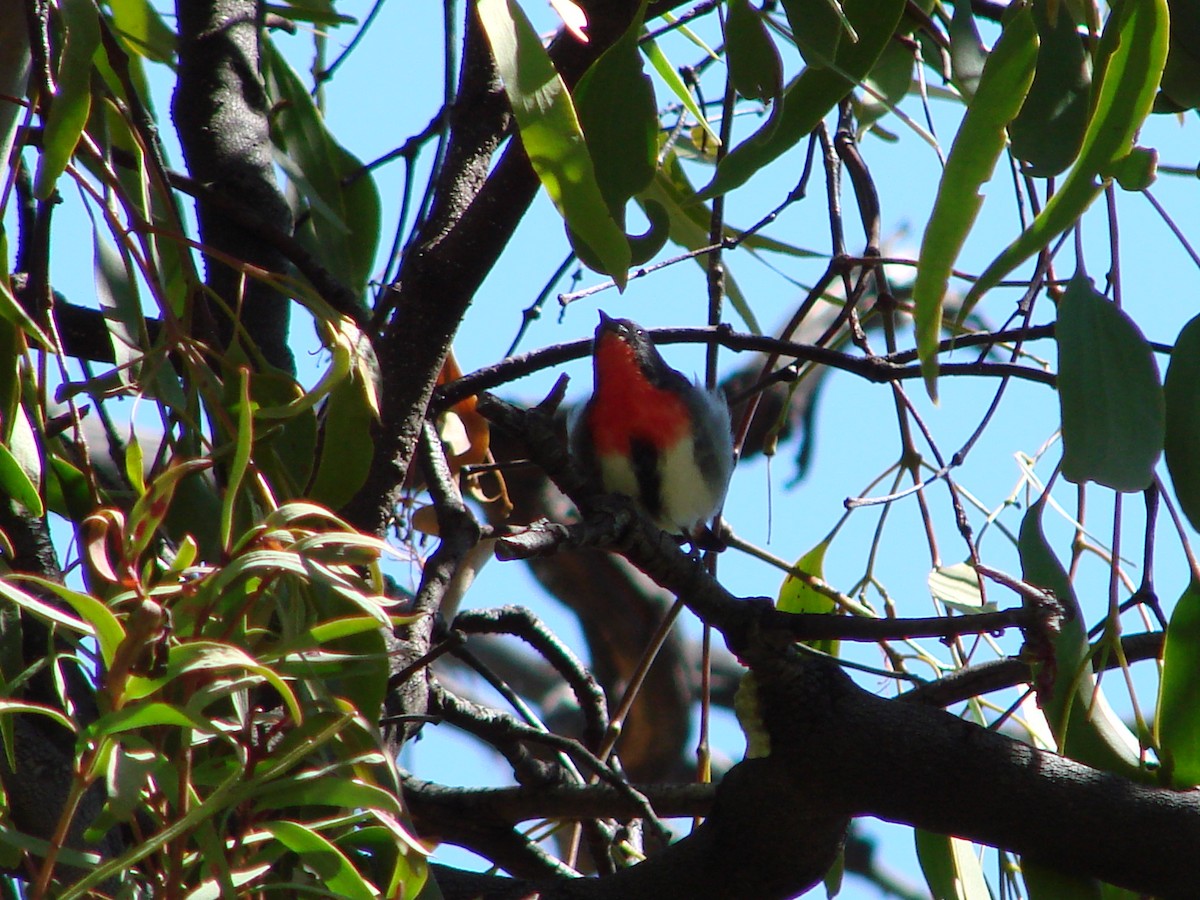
(605, 318)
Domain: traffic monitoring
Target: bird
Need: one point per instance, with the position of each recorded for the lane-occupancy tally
(651, 434)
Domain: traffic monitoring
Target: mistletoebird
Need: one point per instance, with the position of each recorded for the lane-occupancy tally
(652, 435)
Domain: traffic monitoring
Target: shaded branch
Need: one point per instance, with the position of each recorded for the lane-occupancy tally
(220, 112)
(878, 369)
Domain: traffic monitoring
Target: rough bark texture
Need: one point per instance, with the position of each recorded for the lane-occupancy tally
(220, 112)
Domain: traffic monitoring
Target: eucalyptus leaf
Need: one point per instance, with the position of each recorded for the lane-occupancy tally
(551, 135)
(977, 146)
(1133, 49)
(1113, 418)
(1177, 720)
(1181, 390)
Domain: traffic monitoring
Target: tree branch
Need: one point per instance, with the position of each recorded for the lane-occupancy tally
(220, 112)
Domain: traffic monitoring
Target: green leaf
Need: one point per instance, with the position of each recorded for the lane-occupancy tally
(323, 858)
(968, 56)
(1177, 721)
(812, 94)
(890, 79)
(152, 507)
(97, 620)
(129, 768)
(1108, 389)
(818, 28)
(213, 889)
(1181, 390)
(20, 707)
(551, 134)
(754, 64)
(1048, 132)
(44, 610)
(1133, 49)
(321, 13)
(1085, 726)
(836, 875)
(319, 790)
(67, 491)
(347, 446)
(83, 861)
(1137, 170)
(1045, 883)
(1181, 75)
(670, 77)
(797, 596)
(977, 146)
(950, 866)
(140, 28)
(207, 656)
(72, 94)
(957, 586)
(619, 117)
(20, 467)
(343, 231)
(146, 715)
(244, 410)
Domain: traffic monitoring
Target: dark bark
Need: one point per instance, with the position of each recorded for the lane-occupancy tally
(827, 750)
(473, 216)
(220, 112)
(37, 786)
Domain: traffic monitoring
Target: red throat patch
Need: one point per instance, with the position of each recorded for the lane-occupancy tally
(626, 405)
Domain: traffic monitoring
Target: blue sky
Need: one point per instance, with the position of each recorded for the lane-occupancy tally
(391, 87)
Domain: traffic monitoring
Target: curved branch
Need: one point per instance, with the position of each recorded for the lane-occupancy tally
(879, 369)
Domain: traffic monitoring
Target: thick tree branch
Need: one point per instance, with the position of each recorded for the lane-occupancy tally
(220, 112)
(474, 214)
(833, 750)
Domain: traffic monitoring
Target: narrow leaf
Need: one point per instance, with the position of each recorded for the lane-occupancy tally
(818, 28)
(325, 859)
(551, 134)
(1045, 883)
(1085, 726)
(977, 146)
(16, 483)
(950, 866)
(347, 448)
(754, 64)
(116, 289)
(139, 27)
(1048, 132)
(1133, 49)
(72, 94)
(241, 457)
(968, 56)
(688, 226)
(97, 619)
(20, 707)
(147, 715)
(619, 117)
(670, 77)
(812, 94)
(343, 231)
